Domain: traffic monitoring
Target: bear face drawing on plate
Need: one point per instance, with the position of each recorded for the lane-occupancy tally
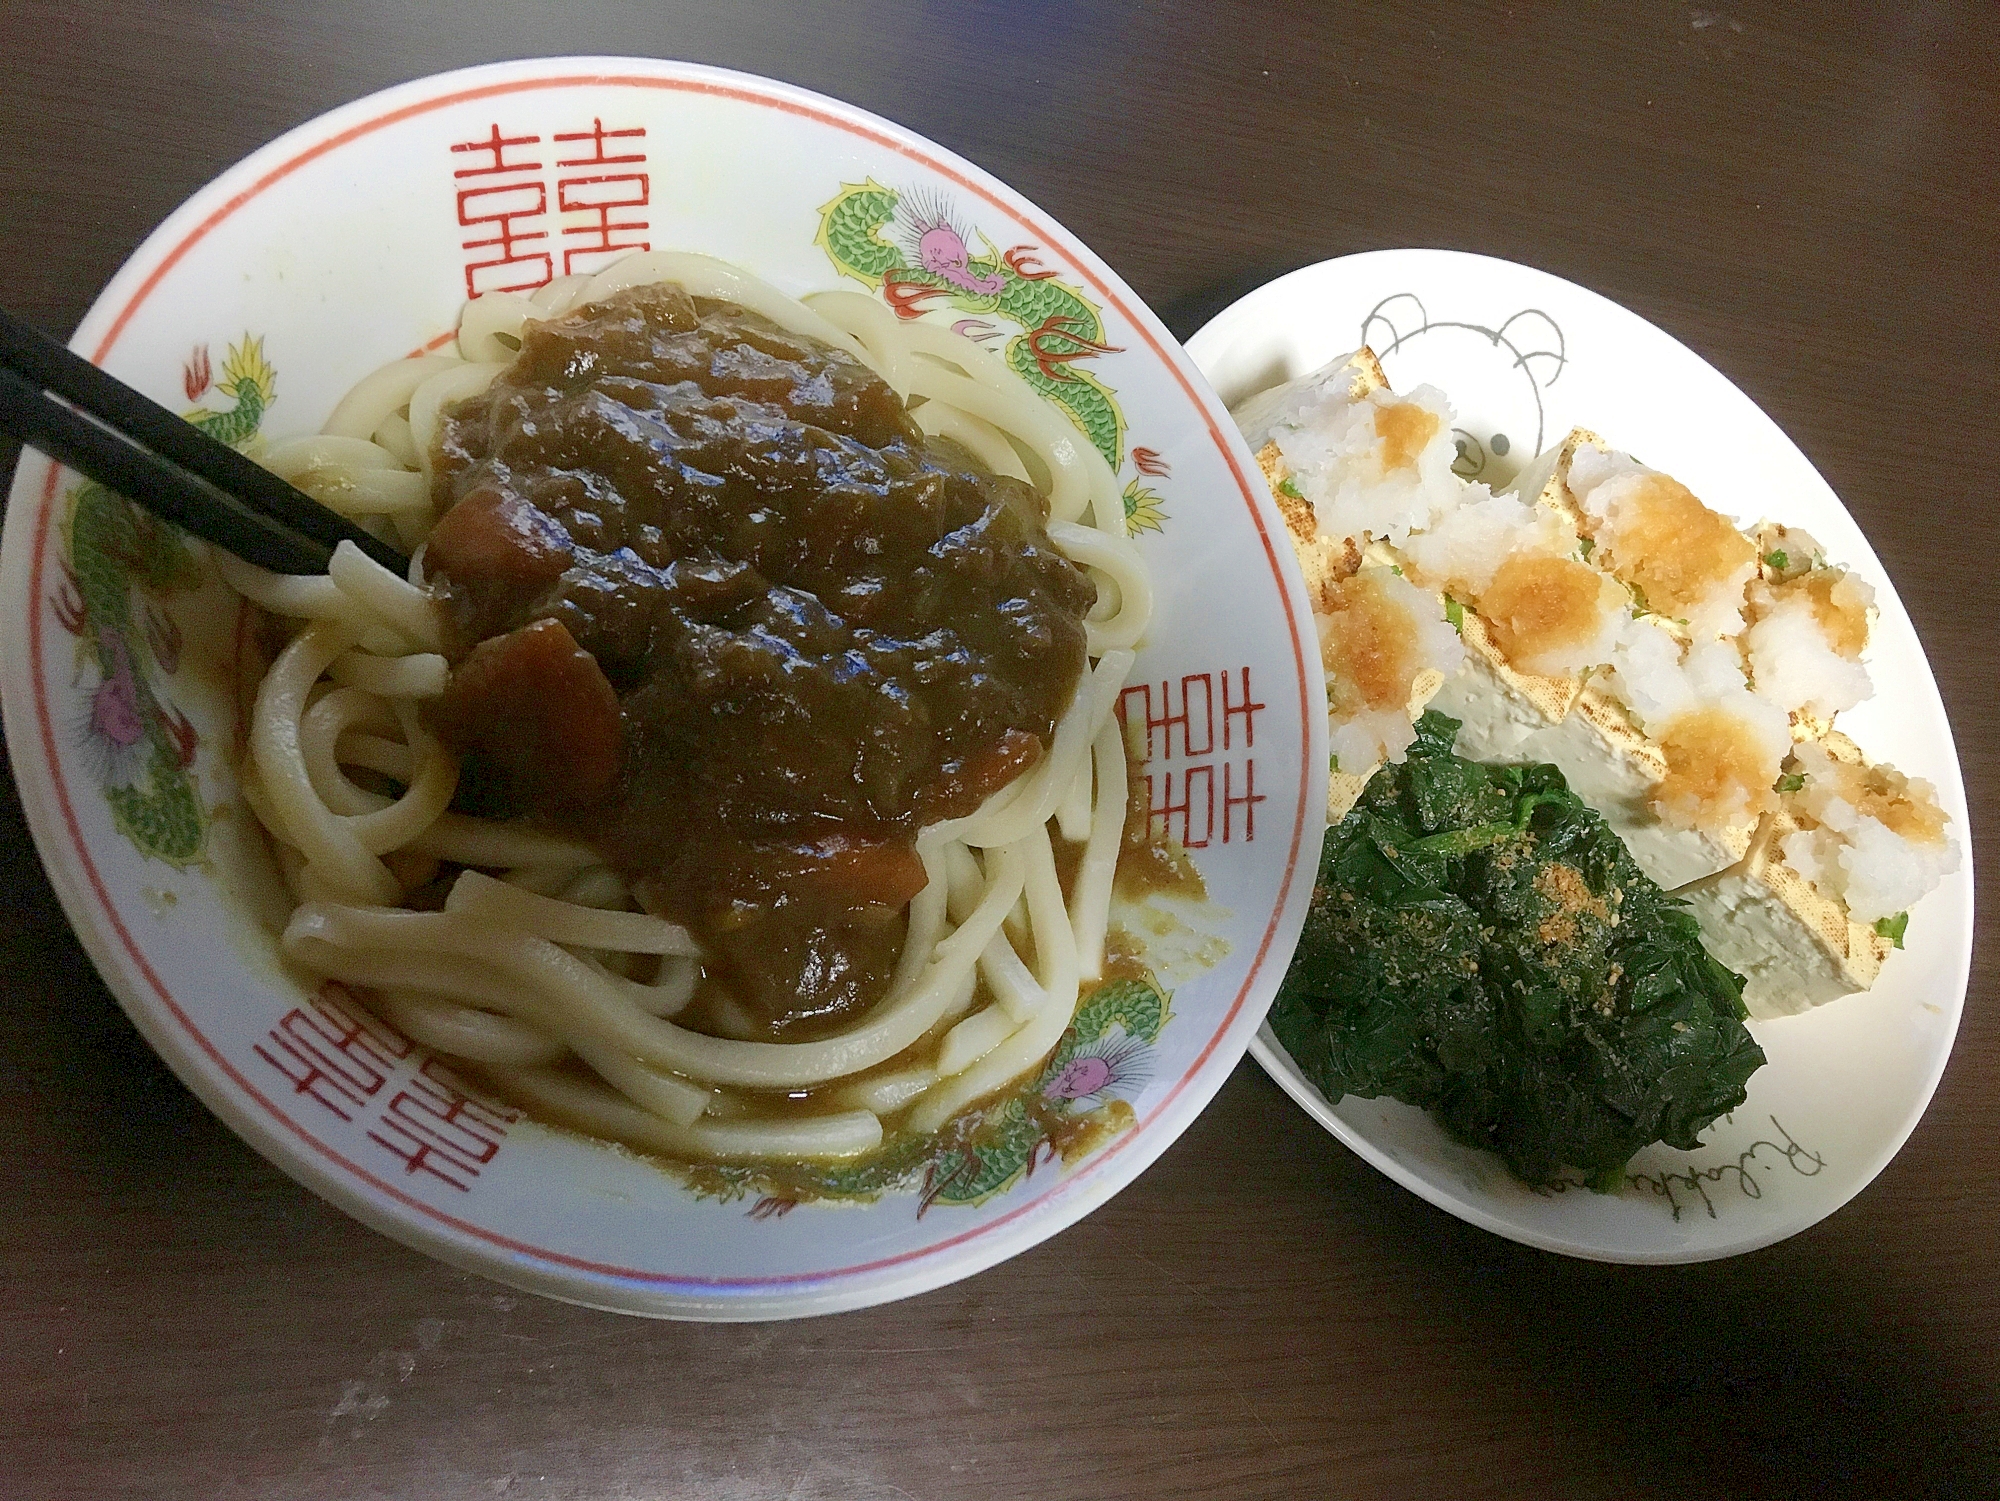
(1498, 372)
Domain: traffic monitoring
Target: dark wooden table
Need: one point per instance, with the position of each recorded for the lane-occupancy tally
(1805, 194)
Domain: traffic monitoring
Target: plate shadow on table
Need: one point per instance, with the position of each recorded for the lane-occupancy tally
(1765, 1375)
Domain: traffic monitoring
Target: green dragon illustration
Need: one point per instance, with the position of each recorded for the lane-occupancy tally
(120, 566)
(1059, 326)
(1107, 1044)
(1065, 1113)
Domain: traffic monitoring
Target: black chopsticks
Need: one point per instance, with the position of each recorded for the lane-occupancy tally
(131, 444)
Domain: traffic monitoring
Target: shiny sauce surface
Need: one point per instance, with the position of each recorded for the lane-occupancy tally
(719, 607)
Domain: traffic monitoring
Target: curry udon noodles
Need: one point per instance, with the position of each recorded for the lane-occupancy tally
(700, 785)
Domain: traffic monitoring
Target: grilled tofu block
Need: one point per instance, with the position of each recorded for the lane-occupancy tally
(1615, 767)
(1795, 946)
(1326, 560)
(1789, 558)
(1254, 414)
(1498, 707)
(1545, 480)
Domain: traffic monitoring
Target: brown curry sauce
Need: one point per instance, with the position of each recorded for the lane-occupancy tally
(719, 607)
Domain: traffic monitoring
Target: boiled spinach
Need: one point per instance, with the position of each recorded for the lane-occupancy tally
(1480, 944)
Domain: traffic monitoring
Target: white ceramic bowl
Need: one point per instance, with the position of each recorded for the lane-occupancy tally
(1524, 357)
(355, 239)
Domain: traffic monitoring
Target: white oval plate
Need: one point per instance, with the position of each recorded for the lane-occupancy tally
(1525, 356)
(355, 239)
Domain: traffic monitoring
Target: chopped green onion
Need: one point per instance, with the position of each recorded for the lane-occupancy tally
(1455, 613)
(1791, 781)
(1893, 928)
(1286, 487)
(1778, 559)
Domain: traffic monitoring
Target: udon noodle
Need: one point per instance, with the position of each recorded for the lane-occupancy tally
(541, 969)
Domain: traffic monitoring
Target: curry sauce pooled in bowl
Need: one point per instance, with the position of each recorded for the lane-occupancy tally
(704, 788)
